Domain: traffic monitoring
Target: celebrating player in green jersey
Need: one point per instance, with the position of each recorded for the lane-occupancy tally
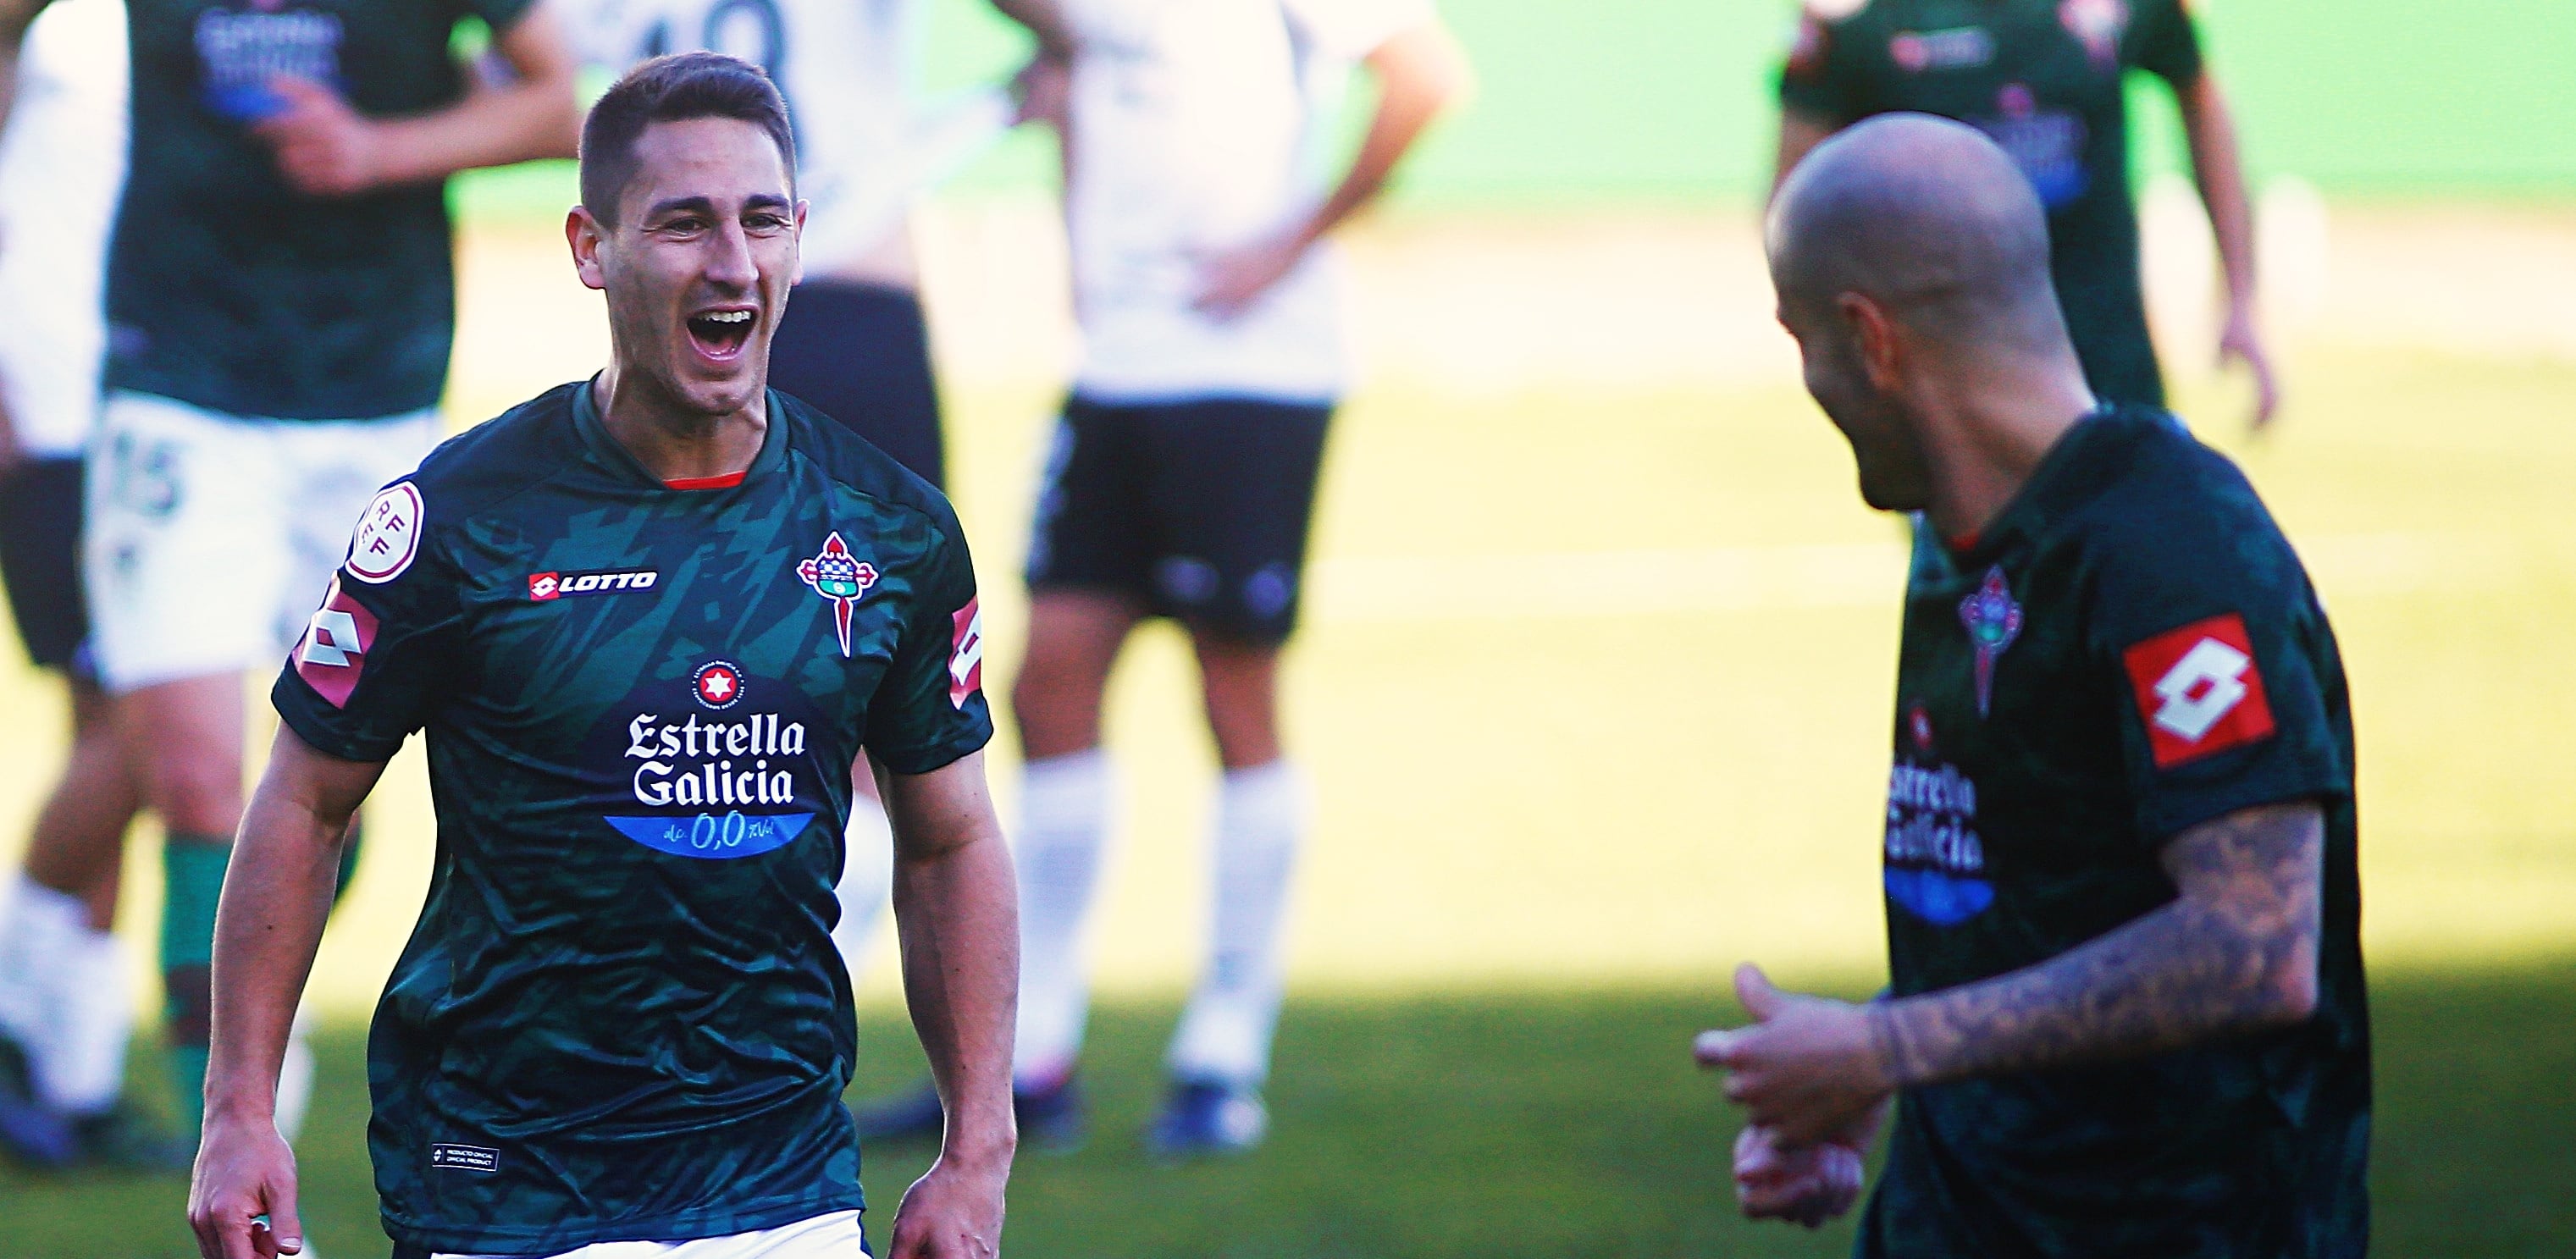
(649, 622)
(2045, 79)
(2126, 1015)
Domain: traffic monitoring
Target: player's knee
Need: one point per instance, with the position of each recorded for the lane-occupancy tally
(196, 792)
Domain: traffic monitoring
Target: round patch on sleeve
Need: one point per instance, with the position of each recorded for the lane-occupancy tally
(388, 535)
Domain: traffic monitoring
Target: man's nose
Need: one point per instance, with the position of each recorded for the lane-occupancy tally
(729, 258)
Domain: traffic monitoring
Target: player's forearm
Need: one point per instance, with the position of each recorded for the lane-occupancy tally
(956, 910)
(285, 866)
(1421, 74)
(2235, 953)
(2219, 171)
(520, 122)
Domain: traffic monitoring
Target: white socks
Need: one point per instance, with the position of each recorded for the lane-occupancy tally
(867, 876)
(1064, 823)
(1224, 1035)
(64, 995)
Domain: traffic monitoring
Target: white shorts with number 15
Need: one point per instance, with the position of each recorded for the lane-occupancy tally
(212, 537)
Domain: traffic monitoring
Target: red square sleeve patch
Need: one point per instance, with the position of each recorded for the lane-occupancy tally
(966, 652)
(333, 651)
(2199, 691)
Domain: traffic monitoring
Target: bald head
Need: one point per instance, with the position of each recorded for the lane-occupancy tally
(1929, 220)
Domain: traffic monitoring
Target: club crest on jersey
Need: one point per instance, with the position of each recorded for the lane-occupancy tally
(718, 684)
(841, 577)
(1993, 622)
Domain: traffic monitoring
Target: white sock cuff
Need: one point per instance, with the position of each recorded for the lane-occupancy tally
(1274, 794)
(46, 912)
(1075, 785)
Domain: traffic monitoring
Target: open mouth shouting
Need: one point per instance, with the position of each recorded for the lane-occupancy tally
(719, 333)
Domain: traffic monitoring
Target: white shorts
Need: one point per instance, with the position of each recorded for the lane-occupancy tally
(834, 1236)
(212, 537)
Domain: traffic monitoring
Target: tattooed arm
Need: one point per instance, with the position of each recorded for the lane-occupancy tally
(2234, 952)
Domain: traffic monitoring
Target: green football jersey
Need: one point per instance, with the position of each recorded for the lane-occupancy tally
(2044, 79)
(2131, 649)
(621, 1015)
(226, 288)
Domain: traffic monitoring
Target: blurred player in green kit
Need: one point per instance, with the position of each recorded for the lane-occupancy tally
(2045, 80)
(279, 302)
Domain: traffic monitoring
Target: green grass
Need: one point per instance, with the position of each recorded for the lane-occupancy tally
(1474, 1124)
(1671, 101)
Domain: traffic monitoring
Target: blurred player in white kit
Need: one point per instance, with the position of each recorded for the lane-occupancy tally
(1183, 477)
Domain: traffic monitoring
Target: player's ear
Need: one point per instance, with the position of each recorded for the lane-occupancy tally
(584, 234)
(1874, 337)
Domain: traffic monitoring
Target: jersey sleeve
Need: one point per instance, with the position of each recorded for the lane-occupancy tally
(1348, 30)
(1817, 75)
(2163, 41)
(2224, 666)
(369, 666)
(929, 708)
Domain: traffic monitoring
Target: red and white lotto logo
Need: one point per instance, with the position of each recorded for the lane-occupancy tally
(544, 586)
(2199, 691)
(966, 652)
(333, 651)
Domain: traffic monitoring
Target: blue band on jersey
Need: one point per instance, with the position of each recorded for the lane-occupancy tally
(714, 837)
(1944, 900)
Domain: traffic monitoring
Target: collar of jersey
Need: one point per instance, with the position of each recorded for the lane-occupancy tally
(622, 464)
(2072, 471)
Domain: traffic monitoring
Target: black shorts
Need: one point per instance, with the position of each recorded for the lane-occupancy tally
(860, 353)
(1198, 509)
(40, 544)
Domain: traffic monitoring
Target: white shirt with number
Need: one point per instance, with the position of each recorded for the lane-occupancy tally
(845, 67)
(62, 166)
(1195, 129)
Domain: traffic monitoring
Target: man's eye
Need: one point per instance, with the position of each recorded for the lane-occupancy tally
(768, 222)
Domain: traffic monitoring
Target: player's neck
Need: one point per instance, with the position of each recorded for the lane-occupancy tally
(672, 441)
(1986, 439)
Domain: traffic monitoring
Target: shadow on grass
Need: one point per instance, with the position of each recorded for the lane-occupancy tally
(1512, 1123)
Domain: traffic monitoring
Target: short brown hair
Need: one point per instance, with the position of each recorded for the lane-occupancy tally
(675, 88)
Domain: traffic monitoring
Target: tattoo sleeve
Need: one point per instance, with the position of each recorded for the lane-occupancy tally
(2235, 951)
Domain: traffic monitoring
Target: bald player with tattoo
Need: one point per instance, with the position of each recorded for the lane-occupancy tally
(2126, 1015)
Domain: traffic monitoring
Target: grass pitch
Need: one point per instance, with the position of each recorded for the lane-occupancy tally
(1596, 693)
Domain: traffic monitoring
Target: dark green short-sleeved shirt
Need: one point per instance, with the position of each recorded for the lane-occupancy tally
(227, 289)
(2044, 79)
(621, 1016)
(2132, 649)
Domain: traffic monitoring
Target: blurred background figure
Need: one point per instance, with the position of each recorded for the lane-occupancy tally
(1182, 478)
(66, 1007)
(279, 306)
(2046, 79)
